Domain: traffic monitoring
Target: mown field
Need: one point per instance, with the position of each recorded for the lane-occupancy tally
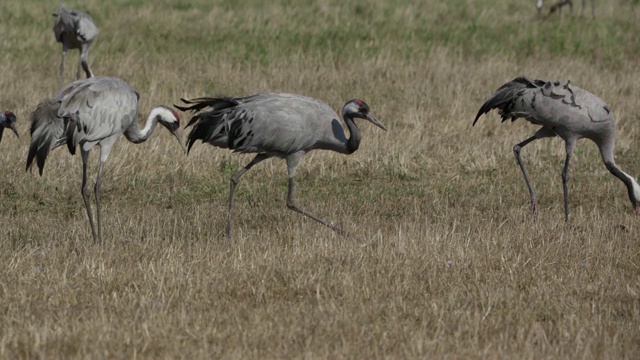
(442, 260)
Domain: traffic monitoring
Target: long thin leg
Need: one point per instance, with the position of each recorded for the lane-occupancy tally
(565, 187)
(292, 164)
(64, 54)
(235, 179)
(532, 194)
(569, 145)
(97, 193)
(84, 61)
(86, 194)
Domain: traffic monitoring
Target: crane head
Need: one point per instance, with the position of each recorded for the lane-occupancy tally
(170, 119)
(357, 108)
(8, 120)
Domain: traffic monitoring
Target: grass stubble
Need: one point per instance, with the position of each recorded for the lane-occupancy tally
(443, 259)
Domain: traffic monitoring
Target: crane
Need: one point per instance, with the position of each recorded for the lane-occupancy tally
(75, 30)
(563, 110)
(560, 3)
(8, 121)
(89, 112)
(275, 124)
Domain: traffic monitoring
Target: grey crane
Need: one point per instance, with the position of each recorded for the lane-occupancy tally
(281, 125)
(8, 120)
(89, 112)
(560, 3)
(75, 30)
(564, 110)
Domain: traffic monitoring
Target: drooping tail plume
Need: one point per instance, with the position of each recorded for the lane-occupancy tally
(208, 125)
(503, 97)
(47, 132)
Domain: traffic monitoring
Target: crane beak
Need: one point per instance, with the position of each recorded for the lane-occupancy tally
(375, 122)
(15, 131)
(178, 134)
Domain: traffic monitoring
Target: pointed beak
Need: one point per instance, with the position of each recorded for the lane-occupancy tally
(375, 122)
(178, 134)
(636, 207)
(15, 131)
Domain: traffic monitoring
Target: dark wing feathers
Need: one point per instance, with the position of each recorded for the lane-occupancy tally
(47, 132)
(504, 97)
(208, 125)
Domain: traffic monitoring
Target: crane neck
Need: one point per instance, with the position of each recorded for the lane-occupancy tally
(353, 143)
(633, 189)
(135, 135)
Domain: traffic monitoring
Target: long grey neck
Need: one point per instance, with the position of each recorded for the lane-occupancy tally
(606, 150)
(135, 135)
(353, 143)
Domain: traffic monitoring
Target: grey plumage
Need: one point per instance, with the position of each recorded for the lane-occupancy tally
(565, 110)
(8, 121)
(281, 125)
(85, 113)
(75, 30)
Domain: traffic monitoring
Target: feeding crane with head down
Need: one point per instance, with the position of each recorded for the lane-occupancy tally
(90, 112)
(563, 110)
(282, 125)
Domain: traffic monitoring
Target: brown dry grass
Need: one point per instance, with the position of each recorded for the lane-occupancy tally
(443, 260)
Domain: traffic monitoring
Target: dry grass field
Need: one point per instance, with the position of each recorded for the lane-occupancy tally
(442, 260)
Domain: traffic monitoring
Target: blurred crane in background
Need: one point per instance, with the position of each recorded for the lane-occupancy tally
(75, 30)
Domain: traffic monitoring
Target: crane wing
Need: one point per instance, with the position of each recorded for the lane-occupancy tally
(47, 132)
(86, 27)
(95, 106)
(278, 124)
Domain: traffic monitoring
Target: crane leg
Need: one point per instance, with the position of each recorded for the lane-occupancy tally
(64, 54)
(86, 195)
(235, 179)
(292, 164)
(565, 179)
(84, 61)
(97, 194)
(532, 194)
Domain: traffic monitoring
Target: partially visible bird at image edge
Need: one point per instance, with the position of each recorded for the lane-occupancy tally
(564, 110)
(8, 121)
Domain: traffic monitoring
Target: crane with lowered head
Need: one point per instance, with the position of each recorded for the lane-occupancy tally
(563, 110)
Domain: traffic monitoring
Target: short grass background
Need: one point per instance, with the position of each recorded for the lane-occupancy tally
(443, 259)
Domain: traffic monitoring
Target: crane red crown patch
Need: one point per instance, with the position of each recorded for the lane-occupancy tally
(359, 102)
